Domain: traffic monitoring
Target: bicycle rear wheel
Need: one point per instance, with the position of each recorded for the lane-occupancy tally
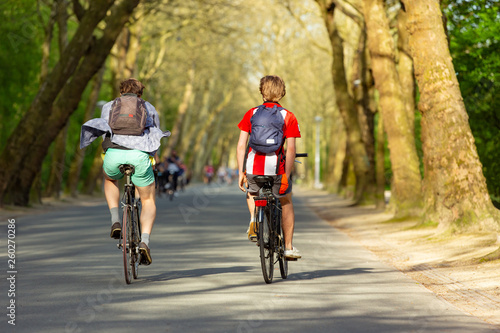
(126, 242)
(280, 245)
(266, 243)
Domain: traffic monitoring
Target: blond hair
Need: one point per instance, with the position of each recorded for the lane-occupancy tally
(272, 88)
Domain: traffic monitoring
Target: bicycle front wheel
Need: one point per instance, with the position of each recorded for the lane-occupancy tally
(127, 242)
(266, 243)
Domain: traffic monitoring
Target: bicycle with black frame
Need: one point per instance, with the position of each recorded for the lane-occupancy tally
(131, 226)
(270, 238)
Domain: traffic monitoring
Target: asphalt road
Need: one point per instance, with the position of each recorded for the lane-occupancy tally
(206, 277)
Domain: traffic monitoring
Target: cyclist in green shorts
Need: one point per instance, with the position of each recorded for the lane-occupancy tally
(137, 150)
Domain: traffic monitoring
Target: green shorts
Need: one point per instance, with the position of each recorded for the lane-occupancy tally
(143, 175)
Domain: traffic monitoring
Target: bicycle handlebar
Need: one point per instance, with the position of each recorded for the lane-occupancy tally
(301, 155)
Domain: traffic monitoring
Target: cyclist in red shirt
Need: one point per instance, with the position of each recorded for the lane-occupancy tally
(272, 89)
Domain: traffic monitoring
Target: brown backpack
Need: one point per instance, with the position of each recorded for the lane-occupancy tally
(128, 115)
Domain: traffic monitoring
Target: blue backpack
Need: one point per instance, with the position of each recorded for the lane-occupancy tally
(266, 134)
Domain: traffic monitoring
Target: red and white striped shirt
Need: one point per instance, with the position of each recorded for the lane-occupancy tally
(265, 164)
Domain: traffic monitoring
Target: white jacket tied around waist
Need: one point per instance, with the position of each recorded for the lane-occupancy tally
(148, 142)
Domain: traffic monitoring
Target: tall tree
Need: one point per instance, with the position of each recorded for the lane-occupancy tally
(345, 102)
(181, 112)
(406, 184)
(207, 126)
(58, 164)
(380, 161)
(77, 163)
(59, 96)
(455, 193)
(473, 30)
(405, 69)
(123, 58)
(47, 41)
(363, 92)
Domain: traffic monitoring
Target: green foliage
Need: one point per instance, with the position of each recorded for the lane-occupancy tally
(20, 55)
(474, 27)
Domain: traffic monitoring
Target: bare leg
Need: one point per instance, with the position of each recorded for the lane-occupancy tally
(148, 213)
(288, 219)
(252, 226)
(111, 192)
(251, 206)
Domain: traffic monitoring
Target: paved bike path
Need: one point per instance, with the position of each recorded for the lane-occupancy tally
(206, 277)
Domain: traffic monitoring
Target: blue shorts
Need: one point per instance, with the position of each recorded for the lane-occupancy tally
(143, 175)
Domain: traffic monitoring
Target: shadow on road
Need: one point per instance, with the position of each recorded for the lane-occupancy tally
(199, 272)
(328, 272)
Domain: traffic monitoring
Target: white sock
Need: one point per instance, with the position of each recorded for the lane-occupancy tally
(115, 215)
(145, 238)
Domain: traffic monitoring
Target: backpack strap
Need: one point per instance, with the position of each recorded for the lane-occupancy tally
(248, 143)
(281, 152)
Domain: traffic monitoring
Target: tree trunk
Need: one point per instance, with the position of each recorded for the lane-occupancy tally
(345, 103)
(58, 164)
(207, 127)
(380, 165)
(123, 62)
(406, 196)
(94, 178)
(183, 107)
(23, 156)
(363, 95)
(47, 42)
(455, 193)
(190, 120)
(134, 46)
(62, 23)
(36, 195)
(208, 143)
(192, 133)
(117, 61)
(405, 70)
(338, 160)
(76, 166)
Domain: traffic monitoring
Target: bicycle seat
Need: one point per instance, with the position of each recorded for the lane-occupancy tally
(127, 168)
(262, 180)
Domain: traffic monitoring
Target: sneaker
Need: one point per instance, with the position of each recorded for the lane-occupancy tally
(116, 230)
(251, 231)
(292, 254)
(145, 254)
